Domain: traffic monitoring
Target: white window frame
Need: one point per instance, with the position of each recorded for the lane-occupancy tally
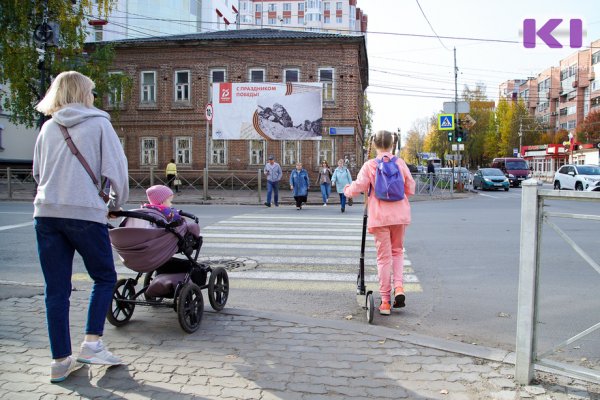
(272, 7)
(326, 154)
(258, 7)
(149, 154)
(287, 20)
(251, 70)
(297, 70)
(218, 156)
(183, 150)
(301, 6)
(290, 156)
(115, 94)
(181, 88)
(272, 21)
(257, 150)
(98, 33)
(326, 6)
(339, 20)
(212, 79)
(326, 20)
(287, 6)
(327, 84)
(301, 20)
(149, 90)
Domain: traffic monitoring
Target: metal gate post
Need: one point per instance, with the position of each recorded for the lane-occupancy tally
(151, 176)
(528, 280)
(259, 189)
(8, 182)
(205, 183)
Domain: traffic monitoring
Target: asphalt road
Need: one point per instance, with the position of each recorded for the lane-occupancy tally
(463, 258)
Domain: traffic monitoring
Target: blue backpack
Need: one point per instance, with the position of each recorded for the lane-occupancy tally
(389, 182)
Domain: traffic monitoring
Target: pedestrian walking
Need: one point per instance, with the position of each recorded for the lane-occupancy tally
(324, 180)
(299, 184)
(273, 173)
(341, 177)
(431, 175)
(387, 220)
(171, 173)
(71, 216)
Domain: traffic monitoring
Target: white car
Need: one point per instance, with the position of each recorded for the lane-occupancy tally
(576, 177)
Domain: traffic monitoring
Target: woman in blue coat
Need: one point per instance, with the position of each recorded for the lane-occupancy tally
(341, 177)
(299, 184)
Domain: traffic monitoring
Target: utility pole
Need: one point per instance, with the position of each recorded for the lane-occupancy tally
(456, 118)
(520, 136)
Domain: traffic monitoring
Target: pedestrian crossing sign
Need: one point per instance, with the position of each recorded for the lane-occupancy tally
(446, 122)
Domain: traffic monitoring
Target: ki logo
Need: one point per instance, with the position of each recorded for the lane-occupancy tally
(530, 32)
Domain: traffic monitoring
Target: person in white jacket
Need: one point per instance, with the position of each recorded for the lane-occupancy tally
(70, 216)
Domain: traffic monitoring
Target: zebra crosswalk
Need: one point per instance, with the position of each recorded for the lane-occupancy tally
(293, 252)
(296, 251)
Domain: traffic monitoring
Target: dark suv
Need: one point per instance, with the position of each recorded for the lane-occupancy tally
(516, 169)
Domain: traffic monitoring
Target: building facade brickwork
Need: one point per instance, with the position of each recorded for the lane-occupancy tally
(164, 116)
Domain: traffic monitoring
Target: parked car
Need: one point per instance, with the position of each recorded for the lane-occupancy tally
(576, 177)
(412, 168)
(490, 178)
(594, 188)
(516, 169)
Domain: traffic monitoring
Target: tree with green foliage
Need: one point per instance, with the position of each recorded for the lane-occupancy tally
(40, 39)
(482, 112)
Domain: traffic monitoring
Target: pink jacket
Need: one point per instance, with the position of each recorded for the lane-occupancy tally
(383, 213)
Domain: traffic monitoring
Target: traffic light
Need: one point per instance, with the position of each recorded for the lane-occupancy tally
(460, 132)
(450, 135)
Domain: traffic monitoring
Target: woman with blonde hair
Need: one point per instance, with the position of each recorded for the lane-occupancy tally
(71, 216)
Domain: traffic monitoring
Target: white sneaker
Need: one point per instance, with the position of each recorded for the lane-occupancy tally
(59, 370)
(99, 355)
(324, 204)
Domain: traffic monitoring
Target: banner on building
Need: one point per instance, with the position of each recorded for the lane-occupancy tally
(271, 111)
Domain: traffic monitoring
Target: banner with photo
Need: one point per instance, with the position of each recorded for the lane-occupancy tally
(270, 111)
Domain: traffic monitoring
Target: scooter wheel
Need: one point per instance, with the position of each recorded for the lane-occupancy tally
(370, 306)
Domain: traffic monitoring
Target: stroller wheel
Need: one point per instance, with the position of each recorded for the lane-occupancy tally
(147, 280)
(190, 306)
(218, 288)
(120, 312)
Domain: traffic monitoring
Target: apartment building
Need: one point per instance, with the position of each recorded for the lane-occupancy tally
(548, 90)
(595, 72)
(148, 18)
(528, 92)
(510, 89)
(164, 117)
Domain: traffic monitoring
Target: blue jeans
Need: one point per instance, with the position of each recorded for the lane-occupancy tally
(325, 191)
(273, 187)
(58, 239)
(342, 200)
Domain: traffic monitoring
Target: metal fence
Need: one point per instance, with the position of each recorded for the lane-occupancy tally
(533, 216)
(20, 183)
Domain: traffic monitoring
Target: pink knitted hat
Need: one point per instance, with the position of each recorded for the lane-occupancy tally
(157, 194)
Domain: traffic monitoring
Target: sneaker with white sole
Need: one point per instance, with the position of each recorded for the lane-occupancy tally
(59, 370)
(99, 355)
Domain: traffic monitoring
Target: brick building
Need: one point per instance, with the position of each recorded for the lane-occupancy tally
(164, 117)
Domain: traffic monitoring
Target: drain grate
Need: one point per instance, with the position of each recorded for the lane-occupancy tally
(231, 263)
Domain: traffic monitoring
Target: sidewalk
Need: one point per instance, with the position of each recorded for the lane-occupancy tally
(241, 354)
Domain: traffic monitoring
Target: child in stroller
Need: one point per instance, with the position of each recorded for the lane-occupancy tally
(146, 241)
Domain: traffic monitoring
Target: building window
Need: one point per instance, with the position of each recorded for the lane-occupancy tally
(217, 75)
(148, 87)
(183, 150)
(327, 20)
(325, 151)
(339, 20)
(287, 6)
(596, 58)
(98, 33)
(301, 6)
(287, 20)
(326, 6)
(300, 20)
(290, 149)
(326, 77)
(257, 152)
(256, 75)
(291, 75)
(338, 5)
(258, 7)
(149, 151)
(218, 152)
(182, 85)
(272, 7)
(272, 21)
(115, 90)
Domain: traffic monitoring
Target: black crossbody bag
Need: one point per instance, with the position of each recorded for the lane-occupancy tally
(105, 197)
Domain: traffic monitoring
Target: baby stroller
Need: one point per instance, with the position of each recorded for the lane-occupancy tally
(146, 244)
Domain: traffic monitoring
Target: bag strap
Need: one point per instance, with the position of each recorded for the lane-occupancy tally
(86, 166)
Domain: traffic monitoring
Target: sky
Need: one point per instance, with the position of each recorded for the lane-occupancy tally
(411, 77)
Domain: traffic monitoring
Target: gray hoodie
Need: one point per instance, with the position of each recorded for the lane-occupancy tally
(65, 190)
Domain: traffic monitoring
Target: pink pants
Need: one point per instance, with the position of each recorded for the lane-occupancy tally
(389, 241)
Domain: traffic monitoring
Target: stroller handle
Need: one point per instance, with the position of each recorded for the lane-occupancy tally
(188, 215)
(146, 217)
